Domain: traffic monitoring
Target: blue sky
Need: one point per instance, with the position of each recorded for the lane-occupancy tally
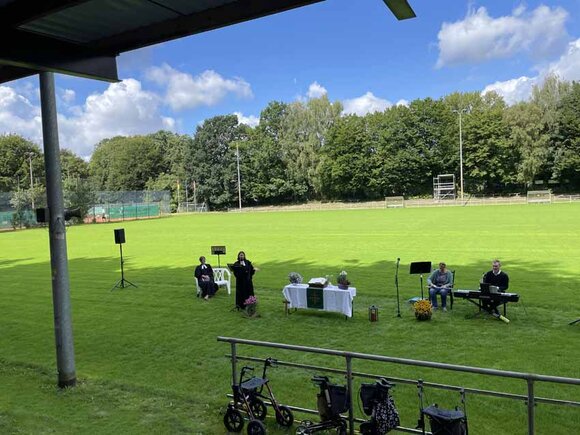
(354, 51)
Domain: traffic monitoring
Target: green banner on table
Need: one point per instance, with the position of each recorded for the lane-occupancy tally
(314, 298)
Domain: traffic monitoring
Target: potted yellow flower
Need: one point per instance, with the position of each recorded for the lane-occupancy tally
(423, 309)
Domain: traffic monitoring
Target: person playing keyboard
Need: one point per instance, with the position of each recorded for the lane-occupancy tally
(497, 277)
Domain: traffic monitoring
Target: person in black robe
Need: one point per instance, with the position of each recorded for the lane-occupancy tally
(243, 271)
(205, 279)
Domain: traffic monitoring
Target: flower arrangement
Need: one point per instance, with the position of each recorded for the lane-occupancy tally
(252, 300)
(250, 305)
(342, 280)
(295, 278)
(422, 309)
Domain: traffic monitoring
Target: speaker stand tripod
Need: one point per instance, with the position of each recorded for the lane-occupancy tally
(122, 283)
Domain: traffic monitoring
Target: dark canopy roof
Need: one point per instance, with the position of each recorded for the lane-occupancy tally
(83, 37)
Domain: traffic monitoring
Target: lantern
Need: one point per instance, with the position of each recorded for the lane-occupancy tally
(374, 313)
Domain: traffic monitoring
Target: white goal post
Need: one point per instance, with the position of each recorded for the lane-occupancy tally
(394, 202)
(539, 196)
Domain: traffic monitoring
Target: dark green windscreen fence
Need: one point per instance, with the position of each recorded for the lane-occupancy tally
(105, 207)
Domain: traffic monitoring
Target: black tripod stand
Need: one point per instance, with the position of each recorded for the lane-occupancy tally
(574, 322)
(122, 283)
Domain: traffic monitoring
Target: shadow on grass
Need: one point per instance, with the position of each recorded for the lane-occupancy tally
(160, 338)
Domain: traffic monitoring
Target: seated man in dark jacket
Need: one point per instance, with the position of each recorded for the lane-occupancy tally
(497, 277)
(205, 280)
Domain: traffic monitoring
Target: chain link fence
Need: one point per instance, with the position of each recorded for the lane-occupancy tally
(106, 207)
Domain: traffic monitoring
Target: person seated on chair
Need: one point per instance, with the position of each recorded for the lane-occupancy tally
(205, 279)
(497, 277)
(440, 281)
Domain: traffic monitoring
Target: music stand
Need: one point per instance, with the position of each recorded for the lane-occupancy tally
(419, 268)
(218, 250)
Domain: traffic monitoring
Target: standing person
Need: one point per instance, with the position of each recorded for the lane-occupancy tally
(497, 277)
(205, 279)
(243, 271)
(440, 281)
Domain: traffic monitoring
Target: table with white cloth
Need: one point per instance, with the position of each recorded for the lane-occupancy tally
(334, 298)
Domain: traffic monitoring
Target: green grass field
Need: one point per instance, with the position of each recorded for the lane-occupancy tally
(148, 360)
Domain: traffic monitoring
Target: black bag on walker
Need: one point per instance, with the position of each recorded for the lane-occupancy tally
(446, 421)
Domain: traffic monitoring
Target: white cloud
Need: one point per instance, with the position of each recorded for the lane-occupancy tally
(251, 120)
(539, 33)
(315, 90)
(122, 109)
(364, 104)
(68, 95)
(184, 91)
(402, 102)
(567, 67)
(18, 115)
(513, 90)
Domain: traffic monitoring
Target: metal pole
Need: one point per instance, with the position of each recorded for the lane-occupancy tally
(31, 181)
(177, 196)
(531, 404)
(239, 183)
(186, 197)
(460, 157)
(349, 392)
(65, 358)
(194, 196)
(234, 361)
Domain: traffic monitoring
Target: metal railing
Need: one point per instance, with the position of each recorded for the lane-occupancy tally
(530, 398)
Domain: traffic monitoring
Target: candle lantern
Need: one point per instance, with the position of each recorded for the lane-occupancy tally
(374, 313)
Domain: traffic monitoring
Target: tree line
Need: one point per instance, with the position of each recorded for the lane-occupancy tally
(310, 150)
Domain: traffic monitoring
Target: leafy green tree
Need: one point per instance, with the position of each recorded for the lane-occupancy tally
(272, 120)
(211, 162)
(125, 163)
(348, 160)
(72, 166)
(304, 132)
(489, 161)
(79, 193)
(528, 138)
(567, 139)
(15, 154)
(263, 170)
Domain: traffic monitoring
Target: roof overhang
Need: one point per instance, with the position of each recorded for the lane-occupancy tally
(84, 37)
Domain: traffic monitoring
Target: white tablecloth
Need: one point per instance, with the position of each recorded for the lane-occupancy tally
(334, 299)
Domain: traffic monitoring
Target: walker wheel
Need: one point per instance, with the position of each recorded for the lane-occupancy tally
(303, 428)
(256, 427)
(233, 420)
(284, 417)
(258, 409)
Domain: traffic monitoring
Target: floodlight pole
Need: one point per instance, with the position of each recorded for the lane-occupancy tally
(239, 181)
(460, 157)
(460, 112)
(31, 180)
(65, 359)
